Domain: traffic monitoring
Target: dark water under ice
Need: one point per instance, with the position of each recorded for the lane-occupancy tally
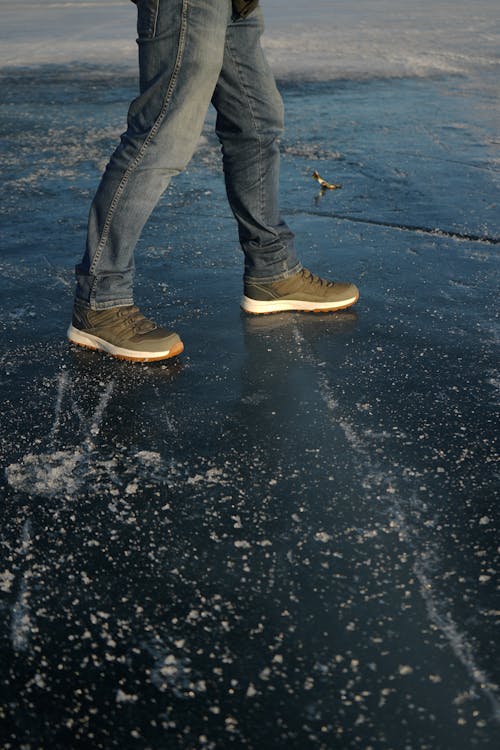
(288, 537)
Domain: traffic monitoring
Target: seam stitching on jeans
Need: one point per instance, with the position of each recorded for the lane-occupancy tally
(152, 133)
(155, 22)
(245, 91)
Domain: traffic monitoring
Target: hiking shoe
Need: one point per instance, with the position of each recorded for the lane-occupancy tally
(123, 332)
(304, 292)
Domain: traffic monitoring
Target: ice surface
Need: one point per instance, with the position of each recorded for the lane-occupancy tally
(289, 536)
(320, 39)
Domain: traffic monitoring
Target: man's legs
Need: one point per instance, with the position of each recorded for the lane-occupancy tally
(181, 48)
(249, 124)
(190, 51)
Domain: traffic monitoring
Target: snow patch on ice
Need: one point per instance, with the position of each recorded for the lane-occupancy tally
(172, 672)
(59, 472)
(47, 474)
(6, 581)
(123, 697)
(323, 536)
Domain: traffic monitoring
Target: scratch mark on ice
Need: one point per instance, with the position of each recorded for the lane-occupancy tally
(61, 388)
(21, 623)
(373, 475)
(440, 618)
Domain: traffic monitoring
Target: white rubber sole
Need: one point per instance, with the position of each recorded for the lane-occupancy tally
(75, 336)
(258, 307)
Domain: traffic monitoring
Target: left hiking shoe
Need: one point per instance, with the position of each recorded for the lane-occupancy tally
(124, 332)
(304, 291)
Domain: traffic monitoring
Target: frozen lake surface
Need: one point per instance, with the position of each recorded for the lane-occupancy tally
(288, 537)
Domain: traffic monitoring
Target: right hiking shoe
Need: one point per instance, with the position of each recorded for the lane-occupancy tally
(124, 332)
(303, 292)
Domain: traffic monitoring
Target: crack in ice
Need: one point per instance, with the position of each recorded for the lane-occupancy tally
(443, 621)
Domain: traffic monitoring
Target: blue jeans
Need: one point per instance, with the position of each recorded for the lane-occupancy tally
(191, 53)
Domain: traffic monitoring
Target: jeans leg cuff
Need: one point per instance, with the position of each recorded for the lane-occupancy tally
(93, 305)
(278, 277)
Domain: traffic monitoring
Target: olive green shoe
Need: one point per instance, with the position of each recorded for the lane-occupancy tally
(124, 332)
(302, 292)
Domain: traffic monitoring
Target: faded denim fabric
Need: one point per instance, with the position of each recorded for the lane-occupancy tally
(191, 52)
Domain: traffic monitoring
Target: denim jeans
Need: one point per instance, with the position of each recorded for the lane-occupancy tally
(191, 53)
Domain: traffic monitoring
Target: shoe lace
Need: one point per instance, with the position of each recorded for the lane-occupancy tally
(311, 278)
(135, 320)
